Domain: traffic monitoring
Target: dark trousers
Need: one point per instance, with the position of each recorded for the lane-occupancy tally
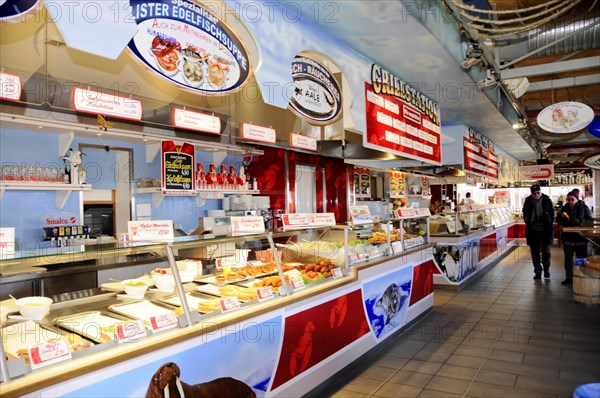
(540, 253)
(580, 251)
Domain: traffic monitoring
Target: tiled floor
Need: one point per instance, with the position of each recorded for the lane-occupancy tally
(505, 335)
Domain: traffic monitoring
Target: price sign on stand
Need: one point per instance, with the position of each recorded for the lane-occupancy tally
(336, 273)
(397, 246)
(49, 353)
(247, 225)
(296, 220)
(229, 304)
(298, 283)
(163, 321)
(373, 251)
(451, 227)
(130, 332)
(264, 293)
(150, 230)
(321, 219)
(360, 215)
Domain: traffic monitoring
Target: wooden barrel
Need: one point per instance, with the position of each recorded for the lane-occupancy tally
(586, 285)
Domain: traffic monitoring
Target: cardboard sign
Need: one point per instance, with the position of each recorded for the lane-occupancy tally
(49, 353)
(196, 121)
(264, 293)
(164, 321)
(406, 213)
(130, 332)
(247, 225)
(229, 304)
(96, 102)
(258, 133)
(159, 230)
(360, 215)
(373, 251)
(177, 169)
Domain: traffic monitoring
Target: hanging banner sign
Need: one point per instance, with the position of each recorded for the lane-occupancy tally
(396, 184)
(303, 142)
(96, 102)
(196, 121)
(177, 169)
(317, 95)
(479, 159)
(362, 182)
(184, 42)
(253, 132)
(537, 172)
(15, 8)
(400, 119)
(565, 117)
(10, 86)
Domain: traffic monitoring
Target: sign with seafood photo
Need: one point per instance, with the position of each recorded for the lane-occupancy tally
(317, 96)
(185, 43)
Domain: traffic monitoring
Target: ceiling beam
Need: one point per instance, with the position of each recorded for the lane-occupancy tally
(554, 67)
(566, 82)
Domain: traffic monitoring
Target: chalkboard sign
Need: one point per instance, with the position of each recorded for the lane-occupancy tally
(178, 169)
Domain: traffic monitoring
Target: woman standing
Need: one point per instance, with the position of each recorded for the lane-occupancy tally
(574, 213)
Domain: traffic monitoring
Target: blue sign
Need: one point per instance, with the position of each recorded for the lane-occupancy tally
(594, 127)
(13, 8)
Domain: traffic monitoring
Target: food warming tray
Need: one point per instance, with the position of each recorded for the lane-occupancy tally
(143, 310)
(192, 299)
(97, 326)
(15, 340)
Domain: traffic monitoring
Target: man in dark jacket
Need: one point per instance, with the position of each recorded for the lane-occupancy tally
(538, 214)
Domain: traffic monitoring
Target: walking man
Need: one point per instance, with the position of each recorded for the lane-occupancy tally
(538, 214)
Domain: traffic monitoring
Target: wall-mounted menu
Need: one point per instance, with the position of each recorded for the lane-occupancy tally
(178, 169)
(479, 156)
(362, 182)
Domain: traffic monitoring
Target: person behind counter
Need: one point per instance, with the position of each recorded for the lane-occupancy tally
(574, 213)
(468, 200)
(538, 214)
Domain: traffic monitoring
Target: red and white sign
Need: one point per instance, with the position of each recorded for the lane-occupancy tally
(294, 220)
(247, 225)
(303, 142)
(96, 102)
(253, 132)
(336, 273)
(406, 212)
(360, 215)
(298, 283)
(10, 86)
(229, 304)
(52, 220)
(321, 219)
(196, 121)
(264, 293)
(401, 120)
(49, 353)
(160, 230)
(163, 321)
(129, 332)
(537, 172)
(479, 160)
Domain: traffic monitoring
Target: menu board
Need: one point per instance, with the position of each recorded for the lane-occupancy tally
(400, 119)
(396, 184)
(479, 159)
(362, 182)
(177, 169)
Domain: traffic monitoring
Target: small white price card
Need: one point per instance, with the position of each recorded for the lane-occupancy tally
(336, 273)
(258, 133)
(247, 225)
(293, 273)
(451, 227)
(264, 293)
(397, 246)
(229, 304)
(321, 219)
(297, 283)
(150, 230)
(294, 220)
(163, 321)
(373, 251)
(196, 121)
(130, 332)
(303, 141)
(49, 353)
(360, 215)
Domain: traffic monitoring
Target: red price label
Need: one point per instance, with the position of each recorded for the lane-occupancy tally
(129, 332)
(229, 304)
(264, 293)
(336, 273)
(163, 321)
(297, 283)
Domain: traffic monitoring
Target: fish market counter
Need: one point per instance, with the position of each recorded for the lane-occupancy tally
(460, 257)
(286, 345)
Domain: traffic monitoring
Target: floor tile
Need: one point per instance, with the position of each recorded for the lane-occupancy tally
(348, 394)
(411, 378)
(466, 361)
(506, 355)
(552, 386)
(446, 384)
(498, 378)
(422, 367)
(363, 385)
(378, 373)
(484, 390)
(472, 351)
(397, 390)
(391, 362)
(458, 372)
(437, 394)
(432, 356)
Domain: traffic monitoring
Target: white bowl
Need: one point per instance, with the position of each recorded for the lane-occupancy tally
(164, 282)
(135, 287)
(34, 307)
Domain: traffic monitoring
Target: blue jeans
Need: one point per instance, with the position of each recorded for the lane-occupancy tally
(580, 251)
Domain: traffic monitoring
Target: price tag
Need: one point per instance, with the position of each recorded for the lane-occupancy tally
(129, 332)
(336, 273)
(229, 304)
(49, 353)
(397, 246)
(163, 321)
(150, 230)
(373, 251)
(298, 283)
(293, 273)
(264, 293)
(451, 227)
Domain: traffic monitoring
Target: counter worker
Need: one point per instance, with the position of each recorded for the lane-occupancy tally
(468, 200)
(538, 214)
(573, 214)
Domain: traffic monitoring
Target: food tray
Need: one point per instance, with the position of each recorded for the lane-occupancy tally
(192, 300)
(94, 325)
(118, 286)
(216, 291)
(143, 310)
(34, 334)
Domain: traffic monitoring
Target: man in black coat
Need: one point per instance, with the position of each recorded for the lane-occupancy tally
(538, 214)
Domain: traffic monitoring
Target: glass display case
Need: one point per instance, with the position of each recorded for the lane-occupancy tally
(500, 214)
(413, 227)
(467, 219)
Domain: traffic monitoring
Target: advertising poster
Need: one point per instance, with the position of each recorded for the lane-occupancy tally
(396, 185)
(182, 41)
(386, 300)
(313, 335)
(362, 182)
(400, 119)
(177, 169)
(457, 261)
(247, 355)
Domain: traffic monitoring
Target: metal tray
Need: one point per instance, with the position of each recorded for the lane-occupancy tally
(142, 309)
(192, 299)
(97, 326)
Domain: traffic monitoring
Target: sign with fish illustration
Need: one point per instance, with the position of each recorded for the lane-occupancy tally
(185, 43)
